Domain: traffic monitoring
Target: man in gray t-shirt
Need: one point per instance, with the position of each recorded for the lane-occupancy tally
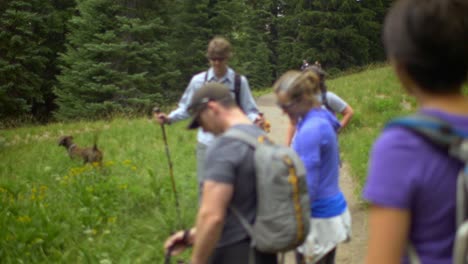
(229, 180)
(222, 157)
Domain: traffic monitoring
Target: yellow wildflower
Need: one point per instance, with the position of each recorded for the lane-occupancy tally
(108, 163)
(24, 219)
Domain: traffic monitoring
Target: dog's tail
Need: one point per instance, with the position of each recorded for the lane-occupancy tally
(96, 136)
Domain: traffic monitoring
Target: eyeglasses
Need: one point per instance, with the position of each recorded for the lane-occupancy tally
(220, 59)
(286, 106)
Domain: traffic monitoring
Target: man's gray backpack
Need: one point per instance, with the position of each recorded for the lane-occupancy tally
(455, 142)
(283, 208)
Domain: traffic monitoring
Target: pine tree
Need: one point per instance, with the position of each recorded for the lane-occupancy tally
(23, 55)
(250, 38)
(339, 34)
(191, 32)
(116, 60)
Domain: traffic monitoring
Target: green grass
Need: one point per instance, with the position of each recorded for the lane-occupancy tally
(55, 210)
(376, 97)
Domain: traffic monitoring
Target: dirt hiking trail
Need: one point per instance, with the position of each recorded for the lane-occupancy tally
(352, 252)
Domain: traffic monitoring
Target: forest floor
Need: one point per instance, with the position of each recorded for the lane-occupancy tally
(349, 253)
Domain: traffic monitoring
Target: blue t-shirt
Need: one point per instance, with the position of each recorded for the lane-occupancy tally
(317, 145)
(407, 172)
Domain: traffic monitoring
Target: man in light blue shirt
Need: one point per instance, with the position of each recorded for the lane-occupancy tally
(218, 54)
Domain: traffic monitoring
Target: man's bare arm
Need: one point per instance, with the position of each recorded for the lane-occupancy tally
(210, 219)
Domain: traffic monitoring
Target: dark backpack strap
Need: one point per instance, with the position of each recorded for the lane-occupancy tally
(237, 89)
(206, 77)
(325, 101)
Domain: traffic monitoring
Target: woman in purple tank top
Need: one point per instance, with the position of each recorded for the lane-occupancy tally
(410, 183)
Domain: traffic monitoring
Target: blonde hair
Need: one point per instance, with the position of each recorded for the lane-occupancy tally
(299, 86)
(219, 47)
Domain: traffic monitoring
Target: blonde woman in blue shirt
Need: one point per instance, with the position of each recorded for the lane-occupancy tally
(317, 145)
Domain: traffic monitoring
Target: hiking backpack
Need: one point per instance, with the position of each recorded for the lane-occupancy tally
(455, 142)
(283, 207)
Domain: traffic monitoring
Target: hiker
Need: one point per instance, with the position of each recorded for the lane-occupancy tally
(218, 54)
(304, 65)
(411, 183)
(317, 145)
(329, 100)
(229, 180)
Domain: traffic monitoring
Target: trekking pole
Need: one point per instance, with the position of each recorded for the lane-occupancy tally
(167, 256)
(156, 110)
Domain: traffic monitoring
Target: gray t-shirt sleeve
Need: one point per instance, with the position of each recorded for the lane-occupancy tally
(335, 102)
(222, 159)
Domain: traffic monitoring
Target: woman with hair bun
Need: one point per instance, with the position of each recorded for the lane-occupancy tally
(317, 145)
(329, 100)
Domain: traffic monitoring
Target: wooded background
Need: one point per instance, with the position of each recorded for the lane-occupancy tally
(91, 59)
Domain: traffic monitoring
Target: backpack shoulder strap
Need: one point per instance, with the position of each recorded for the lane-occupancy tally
(237, 87)
(244, 222)
(436, 130)
(241, 135)
(325, 101)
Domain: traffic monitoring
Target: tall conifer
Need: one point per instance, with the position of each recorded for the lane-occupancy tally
(116, 60)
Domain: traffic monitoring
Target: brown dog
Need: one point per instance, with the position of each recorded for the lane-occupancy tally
(89, 155)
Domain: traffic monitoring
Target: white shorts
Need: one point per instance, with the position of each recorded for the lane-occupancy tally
(324, 235)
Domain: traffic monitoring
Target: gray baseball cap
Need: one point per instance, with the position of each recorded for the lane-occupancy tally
(209, 92)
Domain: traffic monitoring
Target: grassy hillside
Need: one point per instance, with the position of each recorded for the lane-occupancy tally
(376, 97)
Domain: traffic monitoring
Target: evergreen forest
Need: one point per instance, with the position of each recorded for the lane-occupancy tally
(91, 59)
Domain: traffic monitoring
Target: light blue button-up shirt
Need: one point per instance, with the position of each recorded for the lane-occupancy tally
(246, 99)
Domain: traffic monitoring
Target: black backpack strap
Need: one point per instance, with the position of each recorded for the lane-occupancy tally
(206, 77)
(325, 101)
(237, 89)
